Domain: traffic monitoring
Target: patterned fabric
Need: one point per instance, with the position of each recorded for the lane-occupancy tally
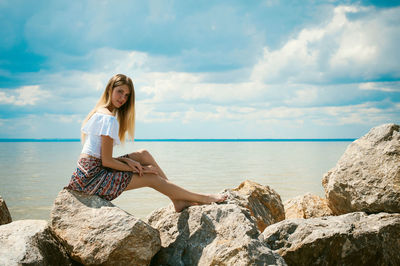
(94, 179)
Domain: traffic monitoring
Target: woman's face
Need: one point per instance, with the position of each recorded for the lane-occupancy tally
(119, 96)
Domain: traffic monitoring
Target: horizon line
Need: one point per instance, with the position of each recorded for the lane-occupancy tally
(186, 140)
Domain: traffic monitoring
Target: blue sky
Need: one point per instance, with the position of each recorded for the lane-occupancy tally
(202, 69)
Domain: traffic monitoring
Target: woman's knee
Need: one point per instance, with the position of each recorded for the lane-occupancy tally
(144, 152)
(146, 156)
(140, 155)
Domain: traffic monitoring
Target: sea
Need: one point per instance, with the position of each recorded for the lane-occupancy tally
(34, 171)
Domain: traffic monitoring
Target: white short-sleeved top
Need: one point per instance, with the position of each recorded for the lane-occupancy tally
(99, 124)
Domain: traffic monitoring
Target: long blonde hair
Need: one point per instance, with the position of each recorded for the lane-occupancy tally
(125, 114)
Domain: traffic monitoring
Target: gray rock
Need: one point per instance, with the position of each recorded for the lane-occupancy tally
(30, 242)
(94, 231)
(307, 206)
(216, 234)
(367, 176)
(5, 216)
(349, 239)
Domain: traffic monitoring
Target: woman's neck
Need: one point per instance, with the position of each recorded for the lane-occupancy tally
(110, 108)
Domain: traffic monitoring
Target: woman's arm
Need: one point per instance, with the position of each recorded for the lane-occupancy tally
(107, 159)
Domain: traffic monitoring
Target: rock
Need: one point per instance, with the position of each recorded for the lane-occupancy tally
(220, 233)
(223, 234)
(264, 204)
(349, 239)
(30, 242)
(5, 216)
(94, 231)
(367, 176)
(307, 206)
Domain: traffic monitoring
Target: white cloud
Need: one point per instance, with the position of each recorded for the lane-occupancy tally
(193, 115)
(191, 87)
(303, 96)
(77, 90)
(381, 86)
(361, 47)
(6, 99)
(161, 11)
(105, 62)
(284, 87)
(26, 95)
(147, 113)
(318, 76)
(43, 125)
(65, 119)
(359, 114)
(165, 97)
(271, 3)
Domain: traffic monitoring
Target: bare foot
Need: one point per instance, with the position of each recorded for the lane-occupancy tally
(180, 205)
(216, 198)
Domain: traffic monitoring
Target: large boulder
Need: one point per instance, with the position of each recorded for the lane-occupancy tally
(367, 176)
(306, 206)
(263, 203)
(350, 239)
(5, 216)
(216, 234)
(94, 231)
(30, 242)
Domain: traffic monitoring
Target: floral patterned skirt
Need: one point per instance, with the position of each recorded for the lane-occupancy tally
(92, 178)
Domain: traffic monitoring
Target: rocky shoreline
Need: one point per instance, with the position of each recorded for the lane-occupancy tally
(358, 223)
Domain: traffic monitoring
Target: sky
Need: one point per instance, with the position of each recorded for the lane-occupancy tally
(202, 69)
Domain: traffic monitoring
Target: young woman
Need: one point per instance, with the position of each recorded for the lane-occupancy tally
(101, 174)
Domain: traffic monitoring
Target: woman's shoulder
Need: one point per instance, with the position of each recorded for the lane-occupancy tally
(104, 114)
(100, 118)
(104, 111)
(101, 123)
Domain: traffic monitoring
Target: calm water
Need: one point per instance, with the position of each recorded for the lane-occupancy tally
(32, 173)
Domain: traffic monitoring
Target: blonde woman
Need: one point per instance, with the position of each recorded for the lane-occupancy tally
(101, 174)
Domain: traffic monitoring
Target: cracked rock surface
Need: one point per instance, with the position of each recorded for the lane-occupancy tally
(367, 176)
(349, 239)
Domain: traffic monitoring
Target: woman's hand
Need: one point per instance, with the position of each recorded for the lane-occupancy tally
(150, 169)
(136, 167)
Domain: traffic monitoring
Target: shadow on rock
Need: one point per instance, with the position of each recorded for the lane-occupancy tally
(189, 253)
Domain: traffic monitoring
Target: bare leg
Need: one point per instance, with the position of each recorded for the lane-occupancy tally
(174, 192)
(145, 158)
